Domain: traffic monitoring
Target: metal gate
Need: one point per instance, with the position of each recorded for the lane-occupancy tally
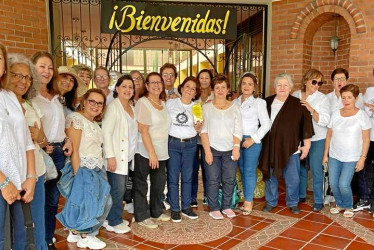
(76, 39)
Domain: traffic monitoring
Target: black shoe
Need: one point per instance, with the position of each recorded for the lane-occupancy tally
(317, 207)
(371, 210)
(205, 201)
(295, 210)
(176, 216)
(302, 200)
(51, 246)
(361, 205)
(268, 208)
(194, 204)
(189, 213)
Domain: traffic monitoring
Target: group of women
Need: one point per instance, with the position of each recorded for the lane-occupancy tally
(145, 131)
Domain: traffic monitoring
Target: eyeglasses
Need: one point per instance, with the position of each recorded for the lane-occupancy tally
(168, 74)
(136, 78)
(155, 83)
(20, 77)
(96, 104)
(101, 77)
(341, 79)
(314, 82)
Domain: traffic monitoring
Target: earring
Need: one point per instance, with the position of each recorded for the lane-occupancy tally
(83, 107)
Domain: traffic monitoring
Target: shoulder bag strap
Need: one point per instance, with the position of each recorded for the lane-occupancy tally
(7, 229)
(29, 226)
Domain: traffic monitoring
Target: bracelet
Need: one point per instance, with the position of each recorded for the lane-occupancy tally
(362, 156)
(66, 138)
(5, 183)
(32, 176)
(237, 145)
(42, 141)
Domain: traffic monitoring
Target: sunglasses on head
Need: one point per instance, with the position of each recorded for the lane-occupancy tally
(314, 82)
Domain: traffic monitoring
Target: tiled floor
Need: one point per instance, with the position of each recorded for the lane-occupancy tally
(278, 230)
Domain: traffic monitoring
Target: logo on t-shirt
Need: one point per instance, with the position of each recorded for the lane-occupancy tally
(182, 118)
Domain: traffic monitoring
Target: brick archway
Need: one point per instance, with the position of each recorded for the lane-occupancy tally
(345, 8)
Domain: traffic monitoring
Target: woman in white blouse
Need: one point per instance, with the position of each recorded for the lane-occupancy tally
(53, 121)
(318, 105)
(182, 148)
(24, 92)
(88, 198)
(120, 131)
(17, 163)
(221, 135)
(152, 152)
(346, 146)
(253, 111)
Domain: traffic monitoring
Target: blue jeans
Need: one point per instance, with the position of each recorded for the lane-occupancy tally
(38, 216)
(292, 180)
(19, 240)
(52, 194)
(248, 165)
(117, 191)
(315, 162)
(222, 171)
(182, 155)
(361, 176)
(340, 177)
(199, 161)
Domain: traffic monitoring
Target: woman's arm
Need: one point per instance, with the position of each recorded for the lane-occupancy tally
(29, 184)
(147, 141)
(9, 192)
(75, 138)
(325, 158)
(365, 147)
(206, 145)
(109, 123)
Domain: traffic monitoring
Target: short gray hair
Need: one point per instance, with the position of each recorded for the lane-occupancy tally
(283, 76)
(14, 59)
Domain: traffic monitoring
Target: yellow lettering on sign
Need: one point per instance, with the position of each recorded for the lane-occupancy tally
(147, 19)
(183, 26)
(175, 23)
(155, 23)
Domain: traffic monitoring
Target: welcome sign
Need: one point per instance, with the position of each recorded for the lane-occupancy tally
(168, 20)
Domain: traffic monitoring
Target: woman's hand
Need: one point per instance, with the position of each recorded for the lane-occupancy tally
(10, 193)
(307, 105)
(370, 106)
(153, 160)
(209, 157)
(198, 127)
(248, 142)
(49, 149)
(325, 159)
(29, 187)
(35, 132)
(304, 151)
(68, 146)
(360, 164)
(111, 164)
(235, 153)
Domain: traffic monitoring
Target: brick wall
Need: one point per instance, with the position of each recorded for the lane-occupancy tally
(23, 26)
(301, 31)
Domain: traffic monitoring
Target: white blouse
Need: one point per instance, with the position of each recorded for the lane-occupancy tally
(319, 103)
(90, 150)
(346, 141)
(13, 111)
(53, 119)
(336, 103)
(253, 111)
(33, 115)
(369, 98)
(222, 125)
(159, 124)
(182, 123)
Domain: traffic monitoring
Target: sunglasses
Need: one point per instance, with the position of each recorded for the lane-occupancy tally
(314, 82)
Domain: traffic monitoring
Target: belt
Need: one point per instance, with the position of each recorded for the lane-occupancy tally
(183, 139)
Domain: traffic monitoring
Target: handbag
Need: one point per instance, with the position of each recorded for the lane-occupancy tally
(51, 170)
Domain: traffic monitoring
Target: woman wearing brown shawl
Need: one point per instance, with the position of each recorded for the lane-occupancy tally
(282, 150)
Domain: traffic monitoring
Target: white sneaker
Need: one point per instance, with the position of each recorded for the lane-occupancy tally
(163, 217)
(167, 205)
(54, 240)
(148, 223)
(91, 242)
(119, 229)
(129, 207)
(106, 223)
(73, 238)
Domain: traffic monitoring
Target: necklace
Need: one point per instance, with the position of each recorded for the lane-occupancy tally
(220, 106)
(154, 102)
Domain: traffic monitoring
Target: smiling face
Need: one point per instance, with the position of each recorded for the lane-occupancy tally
(204, 79)
(65, 83)
(44, 66)
(20, 79)
(189, 90)
(168, 75)
(247, 86)
(125, 90)
(310, 87)
(154, 85)
(282, 88)
(220, 90)
(348, 99)
(101, 79)
(85, 76)
(339, 81)
(138, 80)
(93, 105)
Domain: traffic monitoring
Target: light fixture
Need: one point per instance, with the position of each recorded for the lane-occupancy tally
(334, 41)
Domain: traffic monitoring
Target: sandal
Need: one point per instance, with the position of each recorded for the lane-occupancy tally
(348, 213)
(246, 212)
(335, 210)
